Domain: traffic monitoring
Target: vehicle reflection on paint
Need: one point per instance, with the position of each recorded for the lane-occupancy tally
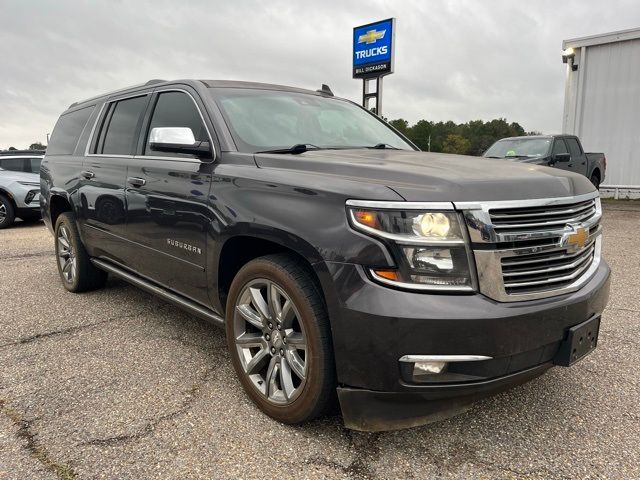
(102, 208)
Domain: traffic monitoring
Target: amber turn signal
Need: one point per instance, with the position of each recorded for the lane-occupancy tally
(388, 274)
(367, 218)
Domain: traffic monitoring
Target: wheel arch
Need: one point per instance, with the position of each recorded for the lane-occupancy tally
(8, 194)
(57, 205)
(238, 250)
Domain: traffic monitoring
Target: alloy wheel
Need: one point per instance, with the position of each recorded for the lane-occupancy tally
(66, 255)
(270, 341)
(3, 212)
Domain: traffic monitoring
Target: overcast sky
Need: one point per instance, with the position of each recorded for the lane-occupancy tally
(455, 60)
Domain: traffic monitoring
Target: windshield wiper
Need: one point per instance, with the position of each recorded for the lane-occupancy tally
(294, 150)
(492, 156)
(382, 146)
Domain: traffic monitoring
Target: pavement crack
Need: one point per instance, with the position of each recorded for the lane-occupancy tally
(26, 255)
(35, 449)
(63, 331)
(191, 396)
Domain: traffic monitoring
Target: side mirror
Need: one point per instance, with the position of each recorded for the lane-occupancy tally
(177, 140)
(562, 157)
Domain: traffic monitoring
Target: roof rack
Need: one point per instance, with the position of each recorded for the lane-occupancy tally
(150, 82)
(22, 152)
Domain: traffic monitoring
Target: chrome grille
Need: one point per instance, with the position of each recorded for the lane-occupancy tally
(524, 249)
(545, 271)
(541, 218)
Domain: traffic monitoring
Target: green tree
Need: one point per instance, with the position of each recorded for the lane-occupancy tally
(478, 135)
(401, 125)
(456, 144)
(37, 146)
(420, 133)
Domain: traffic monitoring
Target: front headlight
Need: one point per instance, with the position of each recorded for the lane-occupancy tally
(430, 246)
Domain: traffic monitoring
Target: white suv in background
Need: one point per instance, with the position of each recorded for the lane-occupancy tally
(19, 186)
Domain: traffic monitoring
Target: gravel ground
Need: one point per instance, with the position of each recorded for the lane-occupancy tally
(118, 384)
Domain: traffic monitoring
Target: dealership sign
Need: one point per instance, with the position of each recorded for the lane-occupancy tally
(373, 49)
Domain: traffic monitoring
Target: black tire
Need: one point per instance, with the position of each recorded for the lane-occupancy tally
(86, 276)
(316, 395)
(595, 179)
(7, 212)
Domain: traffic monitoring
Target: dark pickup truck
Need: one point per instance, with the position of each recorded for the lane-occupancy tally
(344, 264)
(561, 151)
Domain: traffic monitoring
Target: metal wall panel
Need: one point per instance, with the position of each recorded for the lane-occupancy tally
(602, 106)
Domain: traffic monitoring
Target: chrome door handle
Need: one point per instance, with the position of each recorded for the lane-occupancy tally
(136, 181)
(87, 174)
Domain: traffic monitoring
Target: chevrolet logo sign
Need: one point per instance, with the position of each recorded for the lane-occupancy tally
(576, 240)
(371, 36)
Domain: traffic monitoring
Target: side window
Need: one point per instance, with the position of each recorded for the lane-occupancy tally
(33, 165)
(121, 122)
(559, 146)
(574, 148)
(67, 132)
(176, 109)
(12, 164)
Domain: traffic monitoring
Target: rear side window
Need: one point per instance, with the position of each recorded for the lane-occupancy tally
(176, 109)
(33, 165)
(67, 132)
(121, 124)
(574, 148)
(12, 164)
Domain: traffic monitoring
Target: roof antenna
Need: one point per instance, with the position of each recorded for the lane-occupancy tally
(325, 90)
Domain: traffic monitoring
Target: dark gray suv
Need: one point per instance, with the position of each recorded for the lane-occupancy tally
(344, 264)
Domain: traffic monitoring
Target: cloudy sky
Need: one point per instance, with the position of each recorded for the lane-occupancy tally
(455, 60)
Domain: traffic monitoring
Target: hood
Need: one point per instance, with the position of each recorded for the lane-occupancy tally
(422, 176)
(11, 176)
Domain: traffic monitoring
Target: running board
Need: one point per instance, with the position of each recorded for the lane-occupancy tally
(188, 305)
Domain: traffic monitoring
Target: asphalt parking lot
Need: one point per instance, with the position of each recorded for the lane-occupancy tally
(118, 384)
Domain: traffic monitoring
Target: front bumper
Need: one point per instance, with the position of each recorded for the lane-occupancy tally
(374, 326)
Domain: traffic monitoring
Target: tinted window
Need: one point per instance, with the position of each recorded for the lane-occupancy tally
(574, 148)
(559, 146)
(33, 165)
(12, 164)
(67, 132)
(120, 133)
(176, 109)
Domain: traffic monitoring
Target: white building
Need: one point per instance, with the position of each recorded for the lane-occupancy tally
(602, 102)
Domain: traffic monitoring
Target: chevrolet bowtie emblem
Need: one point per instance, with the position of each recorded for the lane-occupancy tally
(371, 36)
(576, 240)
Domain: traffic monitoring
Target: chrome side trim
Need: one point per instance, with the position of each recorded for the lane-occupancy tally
(206, 127)
(171, 297)
(401, 205)
(93, 130)
(150, 157)
(421, 287)
(444, 358)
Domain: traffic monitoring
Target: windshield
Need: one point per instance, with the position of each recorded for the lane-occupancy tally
(262, 120)
(519, 147)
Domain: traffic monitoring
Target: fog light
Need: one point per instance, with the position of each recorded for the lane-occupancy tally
(431, 367)
(30, 196)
